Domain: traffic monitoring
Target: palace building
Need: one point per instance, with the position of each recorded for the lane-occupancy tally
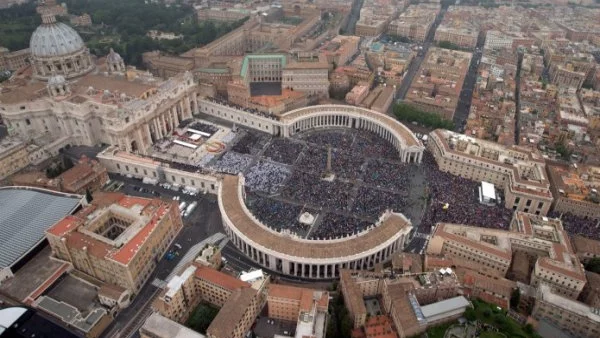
(521, 173)
(490, 251)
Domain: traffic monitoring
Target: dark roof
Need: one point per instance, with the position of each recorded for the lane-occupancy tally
(31, 324)
(26, 215)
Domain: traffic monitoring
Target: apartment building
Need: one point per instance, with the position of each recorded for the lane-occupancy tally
(237, 315)
(158, 326)
(13, 156)
(438, 83)
(518, 171)
(117, 238)
(575, 190)
(288, 302)
(240, 301)
(339, 50)
(402, 297)
(586, 248)
(490, 250)
(307, 73)
(497, 40)
(306, 307)
(577, 319)
(415, 22)
(591, 292)
(86, 175)
(222, 14)
(195, 284)
(462, 37)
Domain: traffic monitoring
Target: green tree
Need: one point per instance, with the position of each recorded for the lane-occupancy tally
(593, 265)
(88, 195)
(408, 113)
(201, 318)
(449, 45)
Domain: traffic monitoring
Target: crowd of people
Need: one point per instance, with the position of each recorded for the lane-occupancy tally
(266, 177)
(335, 225)
(232, 163)
(311, 189)
(369, 144)
(453, 199)
(372, 203)
(204, 127)
(283, 150)
(576, 225)
(389, 175)
(276, 214)
(251, 142)
(363, 187)
(341, 139)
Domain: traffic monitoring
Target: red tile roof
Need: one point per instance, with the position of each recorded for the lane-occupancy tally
(130, 249)
(65, 225)
(219, 278)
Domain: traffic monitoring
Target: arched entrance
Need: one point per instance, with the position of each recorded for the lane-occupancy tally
(134, 146)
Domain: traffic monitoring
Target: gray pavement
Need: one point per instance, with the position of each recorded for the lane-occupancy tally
(464, 102)
(267, 327)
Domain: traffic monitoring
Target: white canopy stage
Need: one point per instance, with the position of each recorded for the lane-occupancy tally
(487, 193)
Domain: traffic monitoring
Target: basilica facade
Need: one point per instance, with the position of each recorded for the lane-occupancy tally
(68, 95)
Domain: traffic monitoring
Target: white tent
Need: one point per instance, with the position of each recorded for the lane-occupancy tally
(487, 193)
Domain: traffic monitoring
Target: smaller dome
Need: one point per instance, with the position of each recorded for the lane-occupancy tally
(56, 80)
(113, 57)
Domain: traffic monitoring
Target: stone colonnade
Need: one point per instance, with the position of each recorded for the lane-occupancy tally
(341, 119)
(313, 268)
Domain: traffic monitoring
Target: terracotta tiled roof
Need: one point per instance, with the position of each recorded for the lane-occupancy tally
(586, 245)
(218, 278)
(302, 295)
(231, 313)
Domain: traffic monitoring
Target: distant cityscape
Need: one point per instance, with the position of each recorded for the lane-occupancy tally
(307, 169)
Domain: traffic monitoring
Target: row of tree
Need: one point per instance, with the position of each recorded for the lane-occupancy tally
(407, 113)
(340, 323)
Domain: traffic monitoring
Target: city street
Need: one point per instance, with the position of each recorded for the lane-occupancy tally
(415, 64)
(464, 103)
(354, 16)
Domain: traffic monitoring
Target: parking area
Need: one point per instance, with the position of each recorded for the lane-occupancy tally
(74, 292)
(266, 327)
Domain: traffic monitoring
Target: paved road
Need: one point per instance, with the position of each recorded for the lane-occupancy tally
(517, 99)
(464, 102)
(202, 223)
(416, 62)
(354, 16)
